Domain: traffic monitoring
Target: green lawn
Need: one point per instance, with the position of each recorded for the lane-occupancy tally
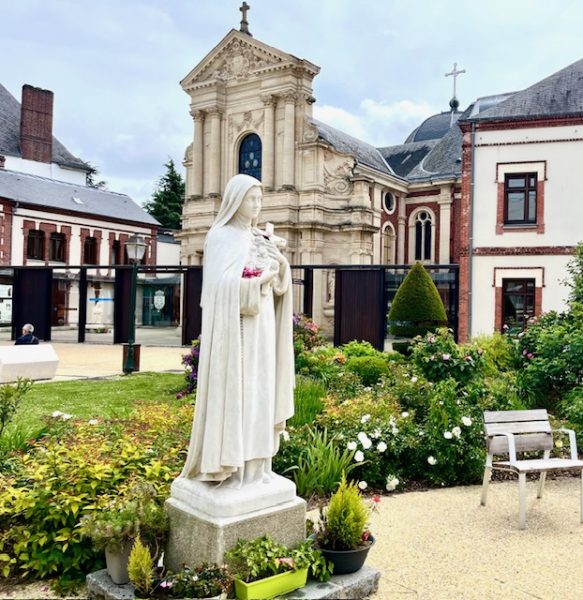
(94, 398)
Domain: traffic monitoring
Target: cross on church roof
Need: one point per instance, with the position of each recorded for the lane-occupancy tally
(455, 74)
(244, 23)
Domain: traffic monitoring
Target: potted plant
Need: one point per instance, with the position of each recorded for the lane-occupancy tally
(265, 569)
(204, 581)
(342, 534)
(115, 527)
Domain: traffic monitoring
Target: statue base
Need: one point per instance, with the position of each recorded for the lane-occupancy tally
(216, 500)
(196, 538)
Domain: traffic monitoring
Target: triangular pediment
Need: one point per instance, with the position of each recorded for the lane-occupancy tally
(237, 56)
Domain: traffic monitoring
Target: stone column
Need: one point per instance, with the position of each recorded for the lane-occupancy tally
(401, 229)
(289, 140)
(198, 153)
(215, 152)
(268, 168)
(444, 229)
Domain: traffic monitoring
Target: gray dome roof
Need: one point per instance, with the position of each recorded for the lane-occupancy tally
(433, 128)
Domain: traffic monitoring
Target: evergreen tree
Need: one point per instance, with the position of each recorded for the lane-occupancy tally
(91, 178)
(417, 306)
(168, 198)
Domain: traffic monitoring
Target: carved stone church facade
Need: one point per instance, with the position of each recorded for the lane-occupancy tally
(339, 200)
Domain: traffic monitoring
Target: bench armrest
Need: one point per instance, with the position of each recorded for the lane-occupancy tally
(511, 445)
(572, 441)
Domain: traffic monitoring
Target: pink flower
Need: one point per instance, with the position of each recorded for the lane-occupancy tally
(445, 356)
(365, 536)
(529, 355)
(249, 273)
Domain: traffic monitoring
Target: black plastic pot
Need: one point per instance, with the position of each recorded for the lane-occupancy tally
(347, 561)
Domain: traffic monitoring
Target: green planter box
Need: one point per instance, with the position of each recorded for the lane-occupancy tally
(271, 586)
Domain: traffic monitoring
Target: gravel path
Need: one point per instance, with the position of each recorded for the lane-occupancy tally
(442, 544)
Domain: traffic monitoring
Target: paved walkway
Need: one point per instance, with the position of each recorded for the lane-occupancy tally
(80, 361)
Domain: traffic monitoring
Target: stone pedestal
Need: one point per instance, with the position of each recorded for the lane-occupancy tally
(206, 520)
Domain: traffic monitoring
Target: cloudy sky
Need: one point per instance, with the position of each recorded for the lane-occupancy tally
(115, 65)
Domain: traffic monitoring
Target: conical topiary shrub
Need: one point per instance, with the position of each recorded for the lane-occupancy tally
(417, 307)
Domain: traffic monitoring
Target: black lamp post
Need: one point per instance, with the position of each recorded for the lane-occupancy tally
(135, 247)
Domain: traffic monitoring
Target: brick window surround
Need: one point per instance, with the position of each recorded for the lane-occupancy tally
(538, 168)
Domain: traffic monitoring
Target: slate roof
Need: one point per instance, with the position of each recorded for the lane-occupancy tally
(363, 152)
(10, 134)
(444, 160)
(433, 128)
(405, 157)
(560, 94)
(49, 193)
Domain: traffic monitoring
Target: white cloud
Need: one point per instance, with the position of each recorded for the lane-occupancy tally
(378, 123)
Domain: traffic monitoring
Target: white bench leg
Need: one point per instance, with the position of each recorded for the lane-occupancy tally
(485, 483)
(581, 496)
(541, 484)
(521, 500)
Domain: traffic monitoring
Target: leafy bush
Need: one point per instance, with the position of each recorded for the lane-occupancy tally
(453, 449)
(76, 469)
(571, 408)
(308, 402)
(10, 399)
(370, 369)
(438, 357)
(355, 348)
(343, 524)
(323, 362)
(263, 557)
(550, 352)
(498, 353)
(141, 568)
(417, 306)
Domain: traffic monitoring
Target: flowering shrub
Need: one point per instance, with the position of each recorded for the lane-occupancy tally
(369, 368)
(452, 450)
(438, 357)
(306, 334)
(190, 362)
(550, 354)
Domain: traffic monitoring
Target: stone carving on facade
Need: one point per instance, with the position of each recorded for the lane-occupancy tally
(238, 61)
(337, 180)
(248, 120)
(188, 154)
(310, 131)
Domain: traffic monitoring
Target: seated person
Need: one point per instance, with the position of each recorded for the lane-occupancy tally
(26, 337)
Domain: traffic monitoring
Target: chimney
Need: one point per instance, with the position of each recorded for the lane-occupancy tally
(36, 124)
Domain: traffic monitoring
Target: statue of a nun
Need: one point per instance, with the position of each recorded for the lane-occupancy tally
(246, 365)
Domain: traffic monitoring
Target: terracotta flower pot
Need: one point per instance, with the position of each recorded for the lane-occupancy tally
(347, 561)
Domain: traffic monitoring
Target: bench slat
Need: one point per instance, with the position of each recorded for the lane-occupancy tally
(524, 443)
(518, 428)
(538, 465)
(508, 416)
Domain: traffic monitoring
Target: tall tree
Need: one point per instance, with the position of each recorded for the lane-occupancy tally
(168, 198)
(92, 178)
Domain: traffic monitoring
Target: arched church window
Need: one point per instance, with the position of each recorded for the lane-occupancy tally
(250, 156)
(388, 244)
(423, 236)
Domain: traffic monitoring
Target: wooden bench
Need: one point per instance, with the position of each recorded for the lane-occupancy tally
(517, 431)
(29, 361)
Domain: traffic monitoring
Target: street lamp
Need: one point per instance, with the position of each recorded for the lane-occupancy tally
(135, 248)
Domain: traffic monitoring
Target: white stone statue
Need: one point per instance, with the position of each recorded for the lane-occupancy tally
(246, 366)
